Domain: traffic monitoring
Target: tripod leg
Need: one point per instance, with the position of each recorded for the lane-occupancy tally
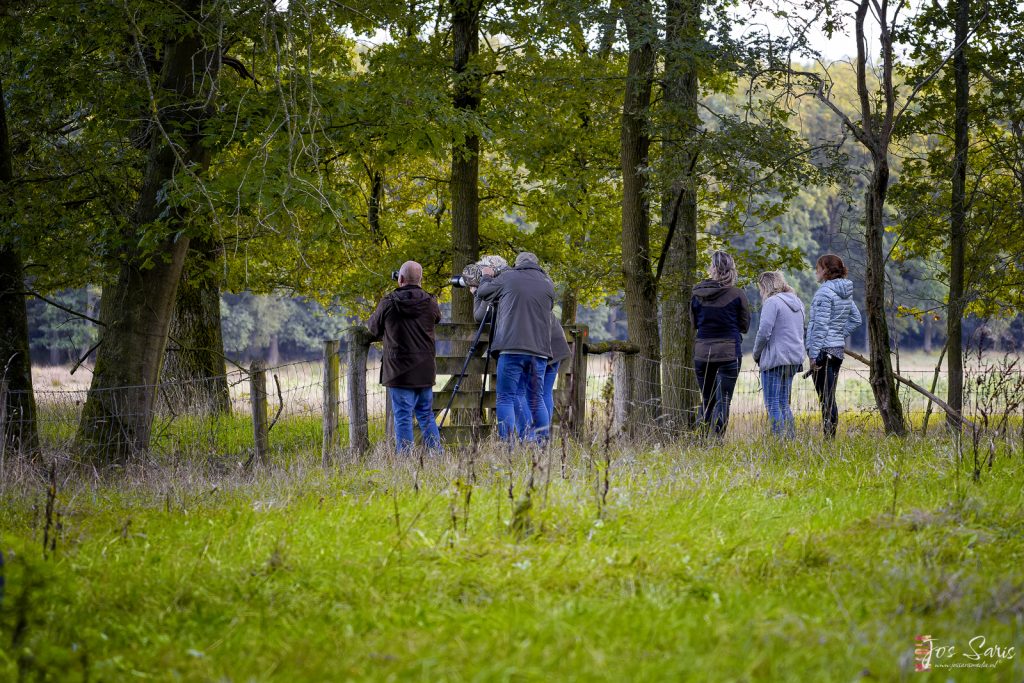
(465, 364)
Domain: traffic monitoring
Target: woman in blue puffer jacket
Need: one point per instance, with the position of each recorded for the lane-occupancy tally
(833, 317)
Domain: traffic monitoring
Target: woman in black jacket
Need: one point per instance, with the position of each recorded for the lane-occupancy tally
(721, 315)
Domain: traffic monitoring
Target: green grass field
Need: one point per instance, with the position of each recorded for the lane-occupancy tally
(743, 561)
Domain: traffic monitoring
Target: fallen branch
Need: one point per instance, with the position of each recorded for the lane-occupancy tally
(280, 405)
(960, 419)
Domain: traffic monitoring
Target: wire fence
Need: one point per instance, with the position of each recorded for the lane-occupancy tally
(993, 393)
(209, 418)
(212, 418)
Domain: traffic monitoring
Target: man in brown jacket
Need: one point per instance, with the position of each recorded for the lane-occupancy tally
(405, 320)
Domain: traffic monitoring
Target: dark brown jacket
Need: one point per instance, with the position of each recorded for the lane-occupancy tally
(405, 320)
(722, 316)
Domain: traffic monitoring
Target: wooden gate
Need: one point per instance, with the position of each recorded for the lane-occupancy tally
(473, 406)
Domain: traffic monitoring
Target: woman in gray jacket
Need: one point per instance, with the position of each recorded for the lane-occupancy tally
(779, 348)
(834, 316)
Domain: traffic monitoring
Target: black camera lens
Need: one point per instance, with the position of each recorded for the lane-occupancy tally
(394, 275)
(458, 281)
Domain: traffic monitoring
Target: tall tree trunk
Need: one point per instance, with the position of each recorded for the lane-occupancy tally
(883, 383)
(874, 132)
(465, 156)
(958, 216)
(679, 212)
(465, 193)
(641, 301)
(117, 418)
(19, 426)
(194, 361)
(569, 302)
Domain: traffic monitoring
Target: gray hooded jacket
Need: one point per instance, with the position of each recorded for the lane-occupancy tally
(780, 334)
(523, 298)
(833, 317)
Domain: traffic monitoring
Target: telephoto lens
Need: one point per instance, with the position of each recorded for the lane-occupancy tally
(394, 275)
(458, 281)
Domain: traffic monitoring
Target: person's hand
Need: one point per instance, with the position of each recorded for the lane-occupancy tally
(472, 290)
(487, 271)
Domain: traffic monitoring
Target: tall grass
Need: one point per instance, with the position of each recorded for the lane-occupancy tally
(748, 560)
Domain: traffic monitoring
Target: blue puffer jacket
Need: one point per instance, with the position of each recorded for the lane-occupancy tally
(833, 317)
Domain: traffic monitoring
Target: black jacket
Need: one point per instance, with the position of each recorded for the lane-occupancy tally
(722, 316)
(405, 320)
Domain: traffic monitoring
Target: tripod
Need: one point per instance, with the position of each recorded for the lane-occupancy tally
(488, 315)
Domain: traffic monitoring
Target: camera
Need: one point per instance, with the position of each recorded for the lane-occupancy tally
(473, 274)
(394, 275)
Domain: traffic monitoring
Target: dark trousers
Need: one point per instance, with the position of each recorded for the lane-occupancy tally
(825, 379)
(717, 381)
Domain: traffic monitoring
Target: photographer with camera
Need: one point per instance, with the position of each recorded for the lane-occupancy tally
(405, 320)
(523, 298)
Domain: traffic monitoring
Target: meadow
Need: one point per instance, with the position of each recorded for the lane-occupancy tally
(740, 561)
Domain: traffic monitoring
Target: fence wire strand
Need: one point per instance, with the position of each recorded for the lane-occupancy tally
(211, 418)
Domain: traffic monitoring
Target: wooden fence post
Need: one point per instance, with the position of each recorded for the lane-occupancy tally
(358, 419)
(332, 394)
(623, 375)
(578, 400)
(3, 421)
(258, 398)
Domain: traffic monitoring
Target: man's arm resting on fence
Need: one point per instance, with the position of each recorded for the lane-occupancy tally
(376, 322)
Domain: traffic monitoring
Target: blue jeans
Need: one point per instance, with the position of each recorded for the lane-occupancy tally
(406, 402)
(777, 384)
(514, 368)
(717, 382)
(523, 414)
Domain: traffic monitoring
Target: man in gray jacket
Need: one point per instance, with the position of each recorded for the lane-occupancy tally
(522, 299)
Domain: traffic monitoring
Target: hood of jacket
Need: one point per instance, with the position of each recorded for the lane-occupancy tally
(709, 290)
(841, 287)
(791, 300)
(411, 301)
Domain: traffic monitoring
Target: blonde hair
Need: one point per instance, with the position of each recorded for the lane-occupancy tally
(772, 282)
(723, 269)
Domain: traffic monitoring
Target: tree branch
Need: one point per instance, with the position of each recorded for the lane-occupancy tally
(239, 68)
(64, 308)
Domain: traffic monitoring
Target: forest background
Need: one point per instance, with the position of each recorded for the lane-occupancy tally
(189, 183)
